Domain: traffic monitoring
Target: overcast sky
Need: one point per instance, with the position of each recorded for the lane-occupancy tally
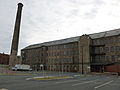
(47, 20)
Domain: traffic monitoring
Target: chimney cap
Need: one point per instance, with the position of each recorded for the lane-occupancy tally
(20, 5)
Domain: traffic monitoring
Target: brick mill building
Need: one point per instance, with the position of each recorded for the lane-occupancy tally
(4, 59)
(97, 52)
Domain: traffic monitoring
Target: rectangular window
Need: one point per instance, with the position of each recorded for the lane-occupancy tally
(107, 58)
(117, 48)
(113, 57)
(106, 49)
(112, 49)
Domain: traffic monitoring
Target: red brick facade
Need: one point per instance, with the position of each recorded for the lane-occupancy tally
(113, 68)
(4, 58)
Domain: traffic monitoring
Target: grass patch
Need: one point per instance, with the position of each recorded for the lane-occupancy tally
(15, 74)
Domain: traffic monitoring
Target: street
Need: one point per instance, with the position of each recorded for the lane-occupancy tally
(78, 82)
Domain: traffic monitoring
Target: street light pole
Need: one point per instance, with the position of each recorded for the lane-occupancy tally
(43, 71)
(62, 67)
(42, 66)
(82, 59)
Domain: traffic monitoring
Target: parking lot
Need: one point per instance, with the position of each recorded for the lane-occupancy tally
(77, 82)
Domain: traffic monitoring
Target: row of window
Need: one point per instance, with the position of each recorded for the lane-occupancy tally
(62, 67)
(106, 58)
(106, 49)
(62, 53)
(57, 47)
(75, 52)
(66, 60)
(73, 45)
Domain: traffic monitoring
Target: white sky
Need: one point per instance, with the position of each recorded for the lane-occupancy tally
(47, 20)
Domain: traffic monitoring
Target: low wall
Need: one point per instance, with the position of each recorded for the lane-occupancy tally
(112, 68)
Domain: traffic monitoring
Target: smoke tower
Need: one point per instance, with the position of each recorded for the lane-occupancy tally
(15, 41)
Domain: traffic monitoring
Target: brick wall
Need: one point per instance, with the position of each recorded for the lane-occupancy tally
(4, 59)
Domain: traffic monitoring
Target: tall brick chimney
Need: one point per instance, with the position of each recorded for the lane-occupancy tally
(15, 41)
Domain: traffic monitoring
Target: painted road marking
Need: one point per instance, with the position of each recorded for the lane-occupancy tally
(28, 78)
(3, 89)
(68, 81)
(37, 77)
(103, 84)
(76, 75)
(84, 82)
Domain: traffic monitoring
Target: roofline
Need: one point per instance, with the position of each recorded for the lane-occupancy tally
(44, 45)
(90, 35)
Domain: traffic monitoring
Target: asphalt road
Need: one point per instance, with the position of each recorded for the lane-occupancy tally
(89, 82)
